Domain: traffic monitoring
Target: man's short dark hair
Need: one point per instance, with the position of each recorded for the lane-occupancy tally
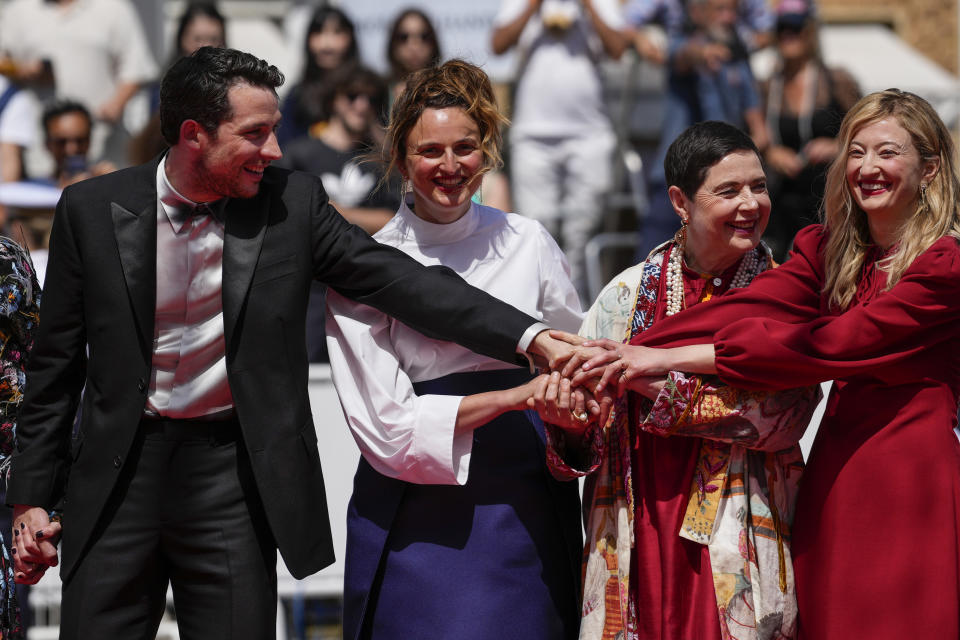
(196, 86)
(59, 108)
(700, 147)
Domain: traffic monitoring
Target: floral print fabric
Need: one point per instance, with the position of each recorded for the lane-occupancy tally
(741, 497)
(19, 315)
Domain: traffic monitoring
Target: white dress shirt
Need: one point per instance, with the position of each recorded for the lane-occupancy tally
(189, 372)
(375, 359)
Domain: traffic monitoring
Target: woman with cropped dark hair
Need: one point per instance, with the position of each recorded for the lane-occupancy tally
(690, 488)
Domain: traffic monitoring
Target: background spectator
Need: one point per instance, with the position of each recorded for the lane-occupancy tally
(561, 139)
(18, 117)
(412, 46)
(331, 42)
(67, 128)
(200, 25)
(805, 103)
(754, 24)
(96, 51)
(708, 78)
(356, 98)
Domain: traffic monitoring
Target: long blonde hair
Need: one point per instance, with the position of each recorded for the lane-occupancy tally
(937, 215)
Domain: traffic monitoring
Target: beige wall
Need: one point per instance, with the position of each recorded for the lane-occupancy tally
(930, 26)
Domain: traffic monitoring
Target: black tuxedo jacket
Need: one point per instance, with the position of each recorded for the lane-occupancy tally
(97, 330)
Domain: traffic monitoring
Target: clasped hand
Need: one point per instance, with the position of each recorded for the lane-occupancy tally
(587, 376)
(33, 543)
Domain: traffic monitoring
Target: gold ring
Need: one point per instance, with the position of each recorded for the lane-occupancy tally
(583, 416)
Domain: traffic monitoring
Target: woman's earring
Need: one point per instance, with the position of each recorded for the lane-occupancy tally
(923, 195)
(680, 237)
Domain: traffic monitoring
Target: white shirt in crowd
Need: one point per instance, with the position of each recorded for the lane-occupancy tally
(18, 120)
(92, 44)
(559, 90)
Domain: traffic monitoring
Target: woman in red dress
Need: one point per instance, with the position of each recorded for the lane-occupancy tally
(670, 553)
(871, 300)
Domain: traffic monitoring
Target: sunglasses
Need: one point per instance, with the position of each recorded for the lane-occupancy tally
(353, 96)
(422, 36)
(789, 29)
(62, 142)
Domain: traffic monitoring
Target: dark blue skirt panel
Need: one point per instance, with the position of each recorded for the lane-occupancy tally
(495, 559)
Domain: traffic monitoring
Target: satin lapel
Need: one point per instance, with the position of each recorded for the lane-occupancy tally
(245, 224)
(135, 229)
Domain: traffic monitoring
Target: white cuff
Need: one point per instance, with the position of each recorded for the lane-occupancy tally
(532, 332)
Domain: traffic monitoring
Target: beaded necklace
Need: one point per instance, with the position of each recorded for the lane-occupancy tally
(674, 285)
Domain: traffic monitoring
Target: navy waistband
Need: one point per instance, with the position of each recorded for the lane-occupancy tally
(468, 382)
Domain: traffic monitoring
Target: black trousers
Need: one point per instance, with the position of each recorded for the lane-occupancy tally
(185, 512)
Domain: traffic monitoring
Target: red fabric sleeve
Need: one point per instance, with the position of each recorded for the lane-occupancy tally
(789, 293)
(920, 311)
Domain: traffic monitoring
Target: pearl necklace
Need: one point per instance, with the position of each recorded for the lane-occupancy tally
(745, 274)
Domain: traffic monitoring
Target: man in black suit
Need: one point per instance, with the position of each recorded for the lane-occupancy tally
(176, 294)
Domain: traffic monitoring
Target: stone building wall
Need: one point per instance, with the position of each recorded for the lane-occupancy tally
(930, 26)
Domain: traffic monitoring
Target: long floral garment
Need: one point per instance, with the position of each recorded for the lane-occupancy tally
(741, 497)
(19, 314)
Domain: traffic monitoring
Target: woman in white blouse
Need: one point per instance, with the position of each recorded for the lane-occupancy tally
(456, 528)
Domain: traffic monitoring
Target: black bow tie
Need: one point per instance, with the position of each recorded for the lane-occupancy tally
(182, 213)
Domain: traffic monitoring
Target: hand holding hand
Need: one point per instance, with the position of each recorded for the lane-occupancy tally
(621, 363)
(33, 543)
(552, 349)
(559, 404)
(647, 386)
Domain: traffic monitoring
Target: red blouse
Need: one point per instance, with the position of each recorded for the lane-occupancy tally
(876, 538)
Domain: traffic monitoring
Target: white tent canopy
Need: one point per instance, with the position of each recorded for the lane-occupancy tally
(879, 59)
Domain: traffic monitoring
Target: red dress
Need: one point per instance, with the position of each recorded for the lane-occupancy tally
(876, 538)
(671, 576)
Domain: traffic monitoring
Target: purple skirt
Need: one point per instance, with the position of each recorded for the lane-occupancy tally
(495, 559)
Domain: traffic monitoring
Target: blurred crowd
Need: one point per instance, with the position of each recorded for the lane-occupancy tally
(73, 66)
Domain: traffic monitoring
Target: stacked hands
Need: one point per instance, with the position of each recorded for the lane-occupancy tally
(33, 543)
(577, 395)
(586, 376)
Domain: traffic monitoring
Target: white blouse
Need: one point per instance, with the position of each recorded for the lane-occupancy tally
(375, 359)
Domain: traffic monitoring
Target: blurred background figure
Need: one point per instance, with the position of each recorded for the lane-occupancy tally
(412, 46)
(330, 43)
(91, 51)
(653, 22)
(341, 157)
(805, 103)
(356, 98)
(200, 25)
(561, 138)
(18, 118)
(708, 78)
(67, 128)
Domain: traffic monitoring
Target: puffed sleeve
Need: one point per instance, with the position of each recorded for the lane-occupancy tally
(921, 310)
(402, 435)
(559, 300)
